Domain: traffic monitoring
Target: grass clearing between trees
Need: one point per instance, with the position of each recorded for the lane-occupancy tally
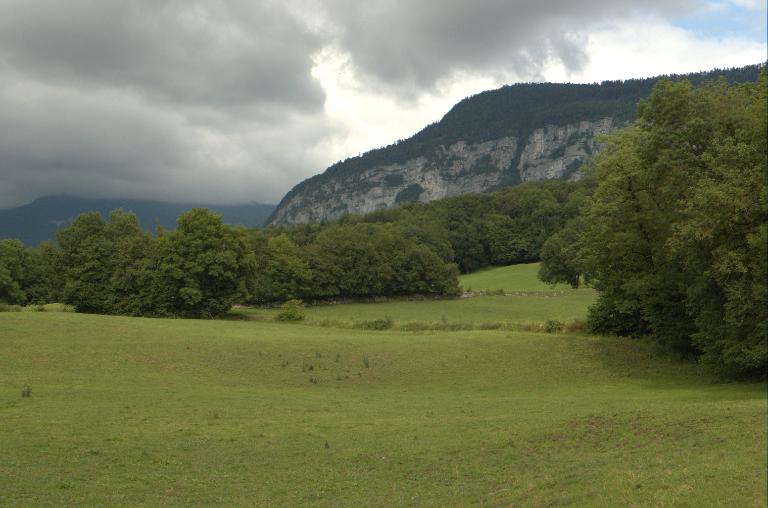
(470, 311)
(527, 304)
(513, 278)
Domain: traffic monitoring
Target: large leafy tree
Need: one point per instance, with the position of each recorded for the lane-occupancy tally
(204, 265)
(42, 279)
(11, 272)
(674, 235)
(97, 258)
(282, 272)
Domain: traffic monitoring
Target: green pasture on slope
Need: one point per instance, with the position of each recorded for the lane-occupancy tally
(513, 278)
(527, 299)
(156, 412)
(477, 310)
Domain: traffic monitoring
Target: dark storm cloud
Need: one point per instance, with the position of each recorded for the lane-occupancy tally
(410, 44)
(215, 101)
(210, 53)
(111, 143)
(177, 100)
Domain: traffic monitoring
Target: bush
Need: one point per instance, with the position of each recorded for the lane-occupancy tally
(415, 326)
(553, 326)
(292, 310)
(576, 326)
(376, 324)
(58, 307)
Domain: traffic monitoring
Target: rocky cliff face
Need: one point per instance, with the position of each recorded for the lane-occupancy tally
(516, 133)
(553, 151)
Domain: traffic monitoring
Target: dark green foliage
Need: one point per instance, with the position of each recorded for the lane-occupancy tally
(409, 194)
(476, 230)
(113, 267)
(376, 260)
(42, 280)
(204, 265)
(557, 152)
(554, 326)
(11, 272)
(393, 180)
(292, 310)
(560, 261)
(96, 257)
(282, 273)
(674, 237)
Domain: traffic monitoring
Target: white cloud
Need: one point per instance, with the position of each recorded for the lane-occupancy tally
(649, 46)
(627, 48)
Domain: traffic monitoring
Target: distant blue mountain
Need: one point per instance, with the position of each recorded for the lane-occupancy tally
(38, 221)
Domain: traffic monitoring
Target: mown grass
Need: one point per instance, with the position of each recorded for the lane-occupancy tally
(128, 411)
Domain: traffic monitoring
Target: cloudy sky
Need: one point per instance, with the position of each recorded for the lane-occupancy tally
(237, 101)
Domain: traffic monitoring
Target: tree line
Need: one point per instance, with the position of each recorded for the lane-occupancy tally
(204, 266)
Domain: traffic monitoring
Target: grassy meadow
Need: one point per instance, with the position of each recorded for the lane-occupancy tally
(149, 412)
(514, 278)
(526, 300)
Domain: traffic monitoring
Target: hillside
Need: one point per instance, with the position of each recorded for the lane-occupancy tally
(38, 221)
(497, 138)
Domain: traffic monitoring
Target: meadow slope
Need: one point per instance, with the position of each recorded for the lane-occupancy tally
(148, 412)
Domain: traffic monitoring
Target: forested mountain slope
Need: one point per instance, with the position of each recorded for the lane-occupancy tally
(498, 138)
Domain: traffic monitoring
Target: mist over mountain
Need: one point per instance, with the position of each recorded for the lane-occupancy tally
(38, 221)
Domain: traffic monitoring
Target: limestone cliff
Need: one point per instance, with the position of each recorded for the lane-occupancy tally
(553, 151)
(517, 133)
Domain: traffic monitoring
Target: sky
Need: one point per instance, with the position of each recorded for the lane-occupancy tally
(237, 101)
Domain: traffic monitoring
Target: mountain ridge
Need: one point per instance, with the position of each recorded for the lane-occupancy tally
(529, 116)
(38, 221)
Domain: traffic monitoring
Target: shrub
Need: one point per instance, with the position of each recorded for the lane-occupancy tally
(415, 326)
(292, 310)
(58, 307)
(576, 326)
(553, 326)
(376, 324)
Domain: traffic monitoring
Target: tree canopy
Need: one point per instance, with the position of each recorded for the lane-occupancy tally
(674, 236)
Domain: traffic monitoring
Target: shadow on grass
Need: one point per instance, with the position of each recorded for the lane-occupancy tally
(646, 361)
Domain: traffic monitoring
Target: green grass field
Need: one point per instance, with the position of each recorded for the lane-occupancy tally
(509, 278)
(527, 299)
(477, 310)
(162, 412)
